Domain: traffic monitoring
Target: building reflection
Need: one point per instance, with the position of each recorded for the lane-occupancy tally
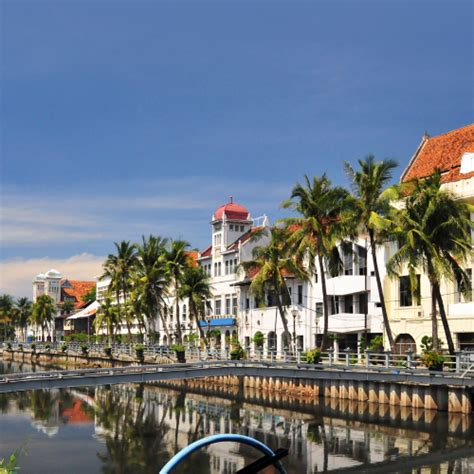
(140, 427)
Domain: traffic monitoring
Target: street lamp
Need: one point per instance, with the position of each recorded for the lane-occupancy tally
(294, 313)
(208, 321)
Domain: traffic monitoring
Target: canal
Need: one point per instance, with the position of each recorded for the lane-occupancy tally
(136, 428)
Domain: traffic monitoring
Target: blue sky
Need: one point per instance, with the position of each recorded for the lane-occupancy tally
(126, 118)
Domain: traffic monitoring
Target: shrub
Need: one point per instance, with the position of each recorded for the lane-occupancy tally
(33, 346)
(258, 339)
(237, 353)
(20, 347)
(313, 356)
(177, 348)
(63, 347)
(139, 351)
(84, 348)
(108, 351)
(47, 346)
(9, 346)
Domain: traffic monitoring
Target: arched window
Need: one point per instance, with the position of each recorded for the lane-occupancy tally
(405, 343)
(272, 341)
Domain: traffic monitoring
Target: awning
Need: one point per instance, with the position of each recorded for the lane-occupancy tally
(86, 312)
(217, 322)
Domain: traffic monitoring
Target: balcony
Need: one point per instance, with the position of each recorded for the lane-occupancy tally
(461, 309)
(346, 285)
(354, 322)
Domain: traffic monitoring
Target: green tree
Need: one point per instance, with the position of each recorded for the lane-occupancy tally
(119, 269)
(44, 311)
(196, 288)
(23, 315)
(434, 235)
(177, 262)
(90, 295)
(151, 279)
(371, 204)
(323, 226)
(107, 315)
(68, 307)
(271, 262)
(6, 308)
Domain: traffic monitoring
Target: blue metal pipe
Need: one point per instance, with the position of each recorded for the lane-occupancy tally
(220, 438)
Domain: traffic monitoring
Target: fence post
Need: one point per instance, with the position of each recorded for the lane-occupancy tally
(347, 351)
(458, 360)
(367, 359)
(409, 358)
(330, 353)
(298, 357)
(387, 359)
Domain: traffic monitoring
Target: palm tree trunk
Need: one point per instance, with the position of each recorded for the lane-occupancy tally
(386, 321)
(178, 322)
(282, 315)
(163, 322)
(444, 319)
(325, 304)
(434, 320)
(195, 316)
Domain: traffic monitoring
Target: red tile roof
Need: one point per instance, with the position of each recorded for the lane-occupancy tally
(207, 252)
(232, 211)
(444, 152)
(78, 290)
(244, 238)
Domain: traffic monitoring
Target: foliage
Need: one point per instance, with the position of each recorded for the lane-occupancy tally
(431, 358)
(237, 353)
(258, 339)
(9, 465)
(20, 347)
(63, 347)
(313, 356)
(139, 351)
(67, 307)
(90, 295)
(33, 346)
(9, 346)
(84, 348)
(108, 351)
(79, 337)
(375, 344)
(177, 348)
(44, 311)
(47, 346)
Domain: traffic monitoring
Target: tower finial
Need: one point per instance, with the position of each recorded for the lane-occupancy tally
(231, 199)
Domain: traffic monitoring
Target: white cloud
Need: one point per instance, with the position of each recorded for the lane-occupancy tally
(16, 275)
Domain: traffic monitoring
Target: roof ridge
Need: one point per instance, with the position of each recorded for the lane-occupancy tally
(456, 130)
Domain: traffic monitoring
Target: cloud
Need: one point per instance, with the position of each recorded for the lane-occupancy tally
(16, 275)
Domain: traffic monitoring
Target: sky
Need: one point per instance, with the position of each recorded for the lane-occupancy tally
(120, 119)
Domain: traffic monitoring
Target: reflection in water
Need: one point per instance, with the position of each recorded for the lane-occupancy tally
(137, 428)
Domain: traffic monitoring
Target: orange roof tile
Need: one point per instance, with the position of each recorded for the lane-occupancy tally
(244, 237)
(444, 152)
(78, 290)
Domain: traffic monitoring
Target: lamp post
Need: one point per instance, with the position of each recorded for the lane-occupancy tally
(294, 313)
(208, 321)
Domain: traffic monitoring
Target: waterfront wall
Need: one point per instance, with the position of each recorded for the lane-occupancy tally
(400, 395)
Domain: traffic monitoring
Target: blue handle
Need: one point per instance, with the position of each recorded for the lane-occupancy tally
(220, 438)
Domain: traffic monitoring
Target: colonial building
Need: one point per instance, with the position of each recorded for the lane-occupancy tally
(453, 154)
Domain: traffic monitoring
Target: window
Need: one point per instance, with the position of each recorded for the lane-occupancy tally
(247, 303)
(215, 269)
(184, 313)
(227, 304)
(234, 306)
(241, 228)
(319, 310)
(362, 260)
(347, 264)
(217, 305)
(219, 269)
(300, 294)
(232, 227)
(363, 303)
(348, 304)
(407, 294)
(226, 267)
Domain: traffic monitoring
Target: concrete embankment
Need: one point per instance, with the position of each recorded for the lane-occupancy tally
(71, 359)
(452, 399)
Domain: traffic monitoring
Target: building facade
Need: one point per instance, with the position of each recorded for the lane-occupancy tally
(453, 154)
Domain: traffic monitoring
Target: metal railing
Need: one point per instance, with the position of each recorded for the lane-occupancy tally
(460, 363)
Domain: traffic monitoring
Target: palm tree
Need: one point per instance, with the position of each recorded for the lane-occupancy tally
(152, 279)
(6, 307)
(319, 230)
(177, 261)
(433, 231)
(107, 314)
(370, 205)
(23, 315)
(196, 288)
(44, 311)
(119, 268)
(271, 263)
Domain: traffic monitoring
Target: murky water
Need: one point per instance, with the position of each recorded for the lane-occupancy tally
(136, 428)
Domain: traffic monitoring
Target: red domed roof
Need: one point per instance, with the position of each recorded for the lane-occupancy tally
(232, 211)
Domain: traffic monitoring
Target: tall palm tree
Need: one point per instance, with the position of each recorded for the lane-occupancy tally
(177, 262)
(44, 311)
(196, 288)
(119, 268)
(433, 231)
(320, 229)
(370, 205)
(271, 263)
(152, 279)
(107, 315)
(23, 315)
(6, 307)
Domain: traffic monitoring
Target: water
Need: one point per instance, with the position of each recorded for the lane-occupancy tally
(136, 428)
